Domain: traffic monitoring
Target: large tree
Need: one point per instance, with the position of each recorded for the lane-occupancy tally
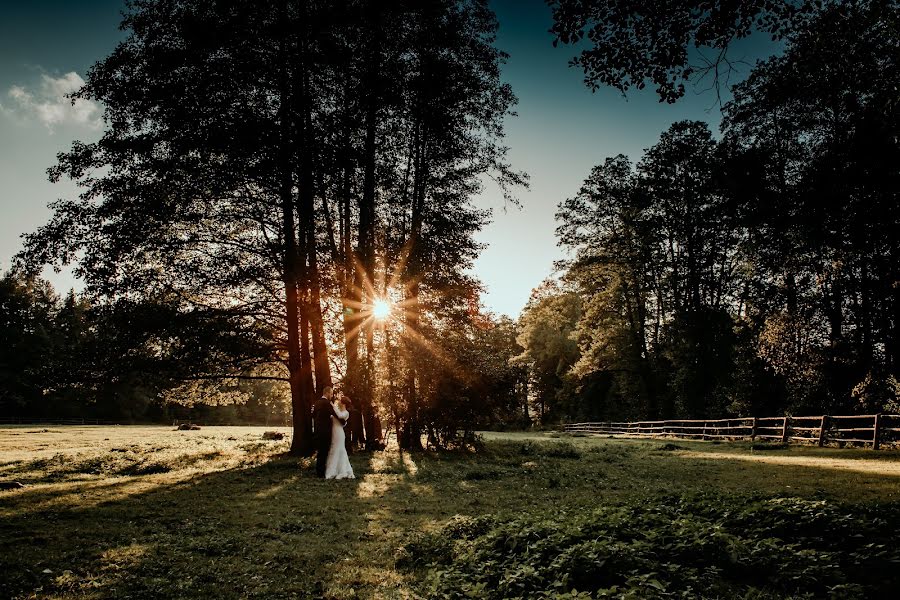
(195, 191)
(814, 139)
(281, 165)
(655, 259)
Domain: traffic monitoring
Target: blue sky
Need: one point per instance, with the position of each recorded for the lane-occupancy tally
(562, 129)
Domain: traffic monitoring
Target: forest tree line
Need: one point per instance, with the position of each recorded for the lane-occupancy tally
(755, 273)
(271, 171)
(65, 357)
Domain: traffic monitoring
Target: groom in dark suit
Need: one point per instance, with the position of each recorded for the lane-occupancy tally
(322, 413)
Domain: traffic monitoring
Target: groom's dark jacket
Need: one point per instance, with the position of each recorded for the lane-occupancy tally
(322, 412)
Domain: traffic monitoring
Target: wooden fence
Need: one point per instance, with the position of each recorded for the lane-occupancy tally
(873, 430)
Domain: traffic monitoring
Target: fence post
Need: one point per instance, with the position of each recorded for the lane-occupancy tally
(784, 430)
(753, 429)
(822, 426)
(876, 433)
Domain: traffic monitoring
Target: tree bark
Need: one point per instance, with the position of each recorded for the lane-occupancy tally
(306, 209)
(364, 273)
(300, 400)
(412, 431)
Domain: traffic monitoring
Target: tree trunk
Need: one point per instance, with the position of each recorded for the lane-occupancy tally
(306, 210)
(301, 442)
(317, 326)
(893, 344)
(364, 272)
(306, 371)
(299, 400)
(350, 296)
(835, 310)
(412, 428)
(412, 424)
(867, 351)
(525, 416)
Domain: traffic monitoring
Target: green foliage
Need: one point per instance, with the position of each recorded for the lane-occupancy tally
(546, 329)
(471, 381)
(696, 546)
(123, 360)
(878, 394)
(628, 44)
(259, 159)
(814, 129)
(755, 274)
(27, 341)
(654, 248)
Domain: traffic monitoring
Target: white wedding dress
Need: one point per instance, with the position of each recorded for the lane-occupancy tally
(338, 464)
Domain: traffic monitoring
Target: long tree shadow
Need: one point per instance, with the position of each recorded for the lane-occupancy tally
(272, 530)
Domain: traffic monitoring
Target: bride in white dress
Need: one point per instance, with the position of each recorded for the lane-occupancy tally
(338, 464)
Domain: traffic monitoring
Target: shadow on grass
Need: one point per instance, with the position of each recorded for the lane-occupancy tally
(271, 530)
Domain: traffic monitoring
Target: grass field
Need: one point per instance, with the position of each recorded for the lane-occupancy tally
(147, 512)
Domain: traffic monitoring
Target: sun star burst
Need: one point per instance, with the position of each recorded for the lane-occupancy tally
(381, 309)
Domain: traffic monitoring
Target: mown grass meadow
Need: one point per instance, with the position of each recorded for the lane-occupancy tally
(148, 512)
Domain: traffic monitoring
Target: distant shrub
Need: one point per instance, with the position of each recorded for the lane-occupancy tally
(670, 447)
(552, 450)
(768, 446)
(481, 475)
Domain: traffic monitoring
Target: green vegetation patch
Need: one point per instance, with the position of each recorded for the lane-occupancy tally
(117, 462)
(695, 546)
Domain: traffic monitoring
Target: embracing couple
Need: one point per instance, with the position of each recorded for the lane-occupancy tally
(329, 418)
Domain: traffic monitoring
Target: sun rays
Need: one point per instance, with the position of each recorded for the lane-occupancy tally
(381, 309)
(389, 307)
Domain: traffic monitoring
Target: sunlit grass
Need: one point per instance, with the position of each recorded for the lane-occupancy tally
(149, 512)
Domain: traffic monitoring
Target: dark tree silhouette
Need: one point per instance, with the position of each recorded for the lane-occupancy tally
(628, 43)
(268, 162)
(756, 273)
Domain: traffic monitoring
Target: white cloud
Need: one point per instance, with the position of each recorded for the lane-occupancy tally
(48, 104)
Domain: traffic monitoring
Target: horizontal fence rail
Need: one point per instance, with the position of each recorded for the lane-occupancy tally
(873, 430)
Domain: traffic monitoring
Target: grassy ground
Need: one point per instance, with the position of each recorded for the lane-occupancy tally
(147, 512)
